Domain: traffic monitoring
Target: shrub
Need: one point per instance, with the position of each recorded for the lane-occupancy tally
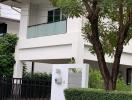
(38, 76)
(7, 49)
(96, 81)
(36, 85)
(89, 94)
(94, 78)
(122, 86)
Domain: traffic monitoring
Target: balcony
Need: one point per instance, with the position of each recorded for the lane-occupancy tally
(47, 29)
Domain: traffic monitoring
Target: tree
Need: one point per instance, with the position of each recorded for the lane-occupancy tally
(7, 49)
(108, 29)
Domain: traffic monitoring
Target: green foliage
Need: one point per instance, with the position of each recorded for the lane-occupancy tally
(121, 86)
(96, 81)
(94, 78)
(90, 94)
(72, 8)
(7, 49)
(108, 22)
(7, 44)
(41, 76)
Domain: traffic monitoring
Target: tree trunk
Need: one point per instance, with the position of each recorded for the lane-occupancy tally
(110, 79)
(94, 39)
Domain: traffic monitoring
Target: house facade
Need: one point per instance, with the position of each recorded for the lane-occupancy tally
(10, 23)
(47, 36)
(9, 20)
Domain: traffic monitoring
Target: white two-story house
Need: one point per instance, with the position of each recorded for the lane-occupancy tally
(47, 36)
(9, 20)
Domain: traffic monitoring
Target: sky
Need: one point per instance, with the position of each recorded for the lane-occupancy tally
(8, 12)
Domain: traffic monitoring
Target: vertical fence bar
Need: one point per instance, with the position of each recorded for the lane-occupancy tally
(24, 89)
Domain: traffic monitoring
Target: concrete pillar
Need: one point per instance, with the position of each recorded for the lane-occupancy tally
(78, 50)
(85, 76)
(64, 76)
(18, 69)
(24, 22)
(77, 45)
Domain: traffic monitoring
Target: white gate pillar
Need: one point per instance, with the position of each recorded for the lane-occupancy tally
(60, 78)
(85, 76)
(18, 69)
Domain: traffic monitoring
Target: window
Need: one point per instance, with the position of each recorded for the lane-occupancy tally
(55, 16)
(129, 75)
(3, 28)
(50, 17)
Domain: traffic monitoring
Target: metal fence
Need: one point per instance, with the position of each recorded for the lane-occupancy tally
(24, 89)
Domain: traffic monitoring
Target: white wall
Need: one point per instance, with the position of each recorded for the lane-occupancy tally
(33, 14)
(39, 13)
(12, 26)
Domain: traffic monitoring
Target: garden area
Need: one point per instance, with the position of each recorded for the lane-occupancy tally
(96, 89)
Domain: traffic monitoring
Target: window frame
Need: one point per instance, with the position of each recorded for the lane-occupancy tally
(61, 16)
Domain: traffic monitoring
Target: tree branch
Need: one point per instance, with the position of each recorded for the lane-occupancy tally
(88, 8)
(94, 4)
(121, 36)
(129, 11)
(121, 18)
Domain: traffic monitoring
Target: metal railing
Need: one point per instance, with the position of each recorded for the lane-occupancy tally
(24, 89)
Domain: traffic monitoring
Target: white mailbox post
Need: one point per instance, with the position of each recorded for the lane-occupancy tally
(60, 79)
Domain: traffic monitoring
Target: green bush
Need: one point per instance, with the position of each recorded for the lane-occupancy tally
(96, 81)
(122, 86)
(7, 49)
(38, 76)
(89, 94)
(94, 78)
(36, 85)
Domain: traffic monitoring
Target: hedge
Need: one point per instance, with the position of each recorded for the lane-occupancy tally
(36, 85)
(89, 94)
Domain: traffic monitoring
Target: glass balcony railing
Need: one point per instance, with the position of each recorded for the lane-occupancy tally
(49, 29)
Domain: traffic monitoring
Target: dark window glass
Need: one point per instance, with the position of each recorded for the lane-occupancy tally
(129, 75)
(56, 15)
(50, 16)
(3, 28)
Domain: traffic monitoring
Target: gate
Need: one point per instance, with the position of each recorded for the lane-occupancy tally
(24, 89)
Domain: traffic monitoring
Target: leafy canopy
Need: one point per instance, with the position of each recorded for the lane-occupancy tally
(7, 49)
(108, 23)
